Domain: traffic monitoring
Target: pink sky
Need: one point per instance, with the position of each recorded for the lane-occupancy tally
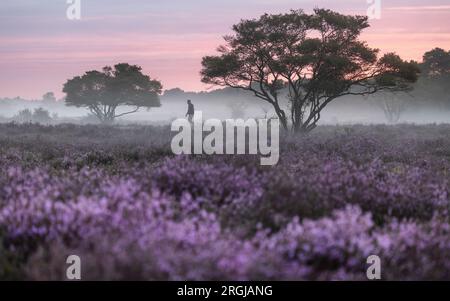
(40, 49)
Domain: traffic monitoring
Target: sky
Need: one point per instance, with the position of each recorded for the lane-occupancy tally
(40, 48)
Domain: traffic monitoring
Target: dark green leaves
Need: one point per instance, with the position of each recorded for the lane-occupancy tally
(310, 59)
(122, 85)
(102, 92)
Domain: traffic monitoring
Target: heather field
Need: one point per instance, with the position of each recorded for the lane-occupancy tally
(118, 198)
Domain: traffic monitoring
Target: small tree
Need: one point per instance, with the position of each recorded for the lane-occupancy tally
(41, 115)
(393, 105)
(314, 59)
(103, 92)
(24, 116)
(49, 98)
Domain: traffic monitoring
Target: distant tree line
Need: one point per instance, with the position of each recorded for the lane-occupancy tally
(431, 88)
(39, 115)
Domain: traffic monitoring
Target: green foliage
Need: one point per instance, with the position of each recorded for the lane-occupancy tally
(102, 92)
(315, 57)
(436, 63)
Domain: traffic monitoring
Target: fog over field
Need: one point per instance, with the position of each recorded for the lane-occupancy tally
(350, 110)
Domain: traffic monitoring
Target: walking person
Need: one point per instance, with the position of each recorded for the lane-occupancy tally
(190, 112)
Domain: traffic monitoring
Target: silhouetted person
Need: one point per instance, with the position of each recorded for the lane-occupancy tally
(190, 112)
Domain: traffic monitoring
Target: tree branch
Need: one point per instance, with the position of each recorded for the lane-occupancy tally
(123, 114)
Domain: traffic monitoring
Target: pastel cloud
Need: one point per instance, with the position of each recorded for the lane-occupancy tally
(420, 8)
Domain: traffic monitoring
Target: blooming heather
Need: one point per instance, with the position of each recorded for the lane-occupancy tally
(131, 210)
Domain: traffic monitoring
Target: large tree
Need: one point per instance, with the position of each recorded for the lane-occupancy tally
(102, 92)
(435, 77)
(314, 58)
(436, 64)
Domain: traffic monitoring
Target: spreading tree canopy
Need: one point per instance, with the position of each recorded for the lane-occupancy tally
(102, 92)
(436, 64)
(312, 58)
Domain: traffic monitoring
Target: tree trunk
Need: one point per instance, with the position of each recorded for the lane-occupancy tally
(106, 115)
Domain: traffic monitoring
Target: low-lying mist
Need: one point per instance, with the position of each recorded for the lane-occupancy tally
(342, 111)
